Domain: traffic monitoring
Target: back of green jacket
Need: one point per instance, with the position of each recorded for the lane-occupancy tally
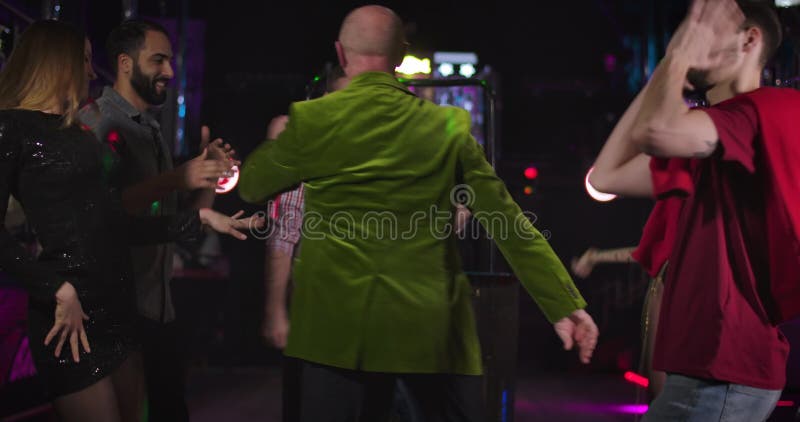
(378, 279)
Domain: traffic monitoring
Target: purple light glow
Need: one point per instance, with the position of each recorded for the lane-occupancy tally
(633, 409)
(15, 355)
(610, 63)
(528, 407)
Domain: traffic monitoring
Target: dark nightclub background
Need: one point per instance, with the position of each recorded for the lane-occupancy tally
(563, 71)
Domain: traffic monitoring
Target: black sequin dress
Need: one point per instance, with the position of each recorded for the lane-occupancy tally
(63, 179)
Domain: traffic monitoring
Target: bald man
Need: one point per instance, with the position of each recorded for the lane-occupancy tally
(379, 291)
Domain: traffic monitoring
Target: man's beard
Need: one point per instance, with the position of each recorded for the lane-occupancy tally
(146, 87)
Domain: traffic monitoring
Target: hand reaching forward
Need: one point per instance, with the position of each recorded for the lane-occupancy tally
(217, 150)
(583, 266)
(201, 172)
(232, 225)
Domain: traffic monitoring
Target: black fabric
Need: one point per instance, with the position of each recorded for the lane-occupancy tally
(291, 388)
(64, 178)
(164, 371)
(340, 395)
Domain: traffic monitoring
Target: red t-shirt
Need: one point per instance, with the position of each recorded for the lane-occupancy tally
(715, 314)
(672, 182)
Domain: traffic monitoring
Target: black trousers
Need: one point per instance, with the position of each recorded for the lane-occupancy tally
(164, 371)
(328, 394)
(291, 370)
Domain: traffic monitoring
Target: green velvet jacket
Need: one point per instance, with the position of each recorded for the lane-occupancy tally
(378, 279)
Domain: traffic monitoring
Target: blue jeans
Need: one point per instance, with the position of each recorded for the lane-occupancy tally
(687, 399)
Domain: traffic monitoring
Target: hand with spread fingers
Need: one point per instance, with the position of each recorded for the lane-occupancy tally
(703, 39)
(231, 225)
(201, 172)
(68, 325)
(578, 328)
(218, 149)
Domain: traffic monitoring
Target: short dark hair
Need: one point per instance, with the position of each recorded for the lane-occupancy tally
(128, 38)
(763, 15)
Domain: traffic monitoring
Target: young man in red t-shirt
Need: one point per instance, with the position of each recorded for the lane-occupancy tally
(717, 338)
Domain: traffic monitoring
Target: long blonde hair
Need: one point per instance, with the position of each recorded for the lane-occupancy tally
(46, 69)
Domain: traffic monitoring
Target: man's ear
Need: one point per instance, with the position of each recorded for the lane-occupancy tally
(340, 53)
(125, 63)
(753, 38)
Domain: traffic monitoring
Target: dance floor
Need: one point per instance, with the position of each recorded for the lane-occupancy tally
(253, 394)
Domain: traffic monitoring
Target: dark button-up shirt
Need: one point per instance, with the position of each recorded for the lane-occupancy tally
(136, 137)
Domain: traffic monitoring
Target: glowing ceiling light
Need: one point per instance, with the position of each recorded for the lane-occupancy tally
(787, 3)
(412, 66)
(226, 184)
(466, 70)
(596, 194)
(446, 69)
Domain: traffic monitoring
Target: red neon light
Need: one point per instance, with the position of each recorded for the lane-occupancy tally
(785, 403)
(531, 173)
(637, 379)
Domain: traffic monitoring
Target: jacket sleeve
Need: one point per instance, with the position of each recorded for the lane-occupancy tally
(301, 153)
(530, 256)
(184, 227)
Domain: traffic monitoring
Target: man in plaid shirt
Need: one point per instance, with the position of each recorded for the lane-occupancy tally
(287, 215)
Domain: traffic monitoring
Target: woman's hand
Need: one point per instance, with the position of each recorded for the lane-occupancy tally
(69, 322)
(221, 223)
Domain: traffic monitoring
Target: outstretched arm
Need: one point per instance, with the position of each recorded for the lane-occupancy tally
(528, 253)
(583, 266)
(197, 173)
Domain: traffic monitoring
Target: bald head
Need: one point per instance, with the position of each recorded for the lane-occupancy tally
(373, 31)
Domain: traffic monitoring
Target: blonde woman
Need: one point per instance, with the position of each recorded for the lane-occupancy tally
(81, 305)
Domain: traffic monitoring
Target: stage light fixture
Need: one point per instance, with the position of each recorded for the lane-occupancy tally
(413, 66)
(446, 69)
(466, 70)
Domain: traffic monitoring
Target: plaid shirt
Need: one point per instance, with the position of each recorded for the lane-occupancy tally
(287, 213)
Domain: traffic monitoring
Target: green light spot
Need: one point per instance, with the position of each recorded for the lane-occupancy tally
(108, 163)
(155, 208)
(452, 125)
